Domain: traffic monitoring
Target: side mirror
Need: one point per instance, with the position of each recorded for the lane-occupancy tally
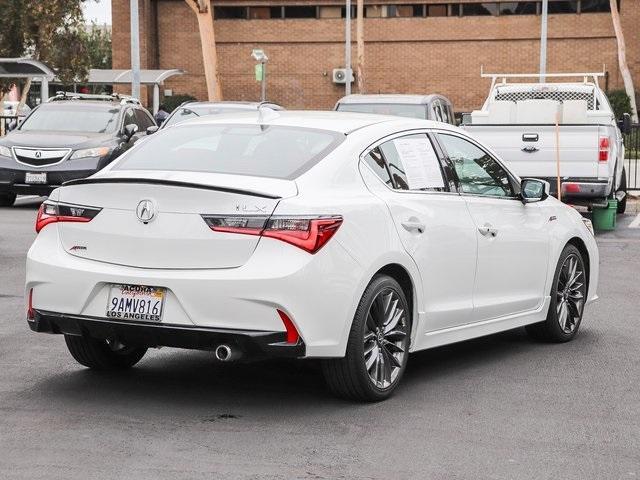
(624, 124)
(130, 130)
(533, 190)
(152, 129)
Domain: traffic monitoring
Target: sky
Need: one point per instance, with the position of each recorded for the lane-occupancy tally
(99, 11)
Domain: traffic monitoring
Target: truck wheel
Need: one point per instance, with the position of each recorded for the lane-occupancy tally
(622, 205)
(103, 354)
(7, 199)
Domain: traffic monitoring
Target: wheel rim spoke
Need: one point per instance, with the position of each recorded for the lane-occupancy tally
(570, 293)
(385, 338)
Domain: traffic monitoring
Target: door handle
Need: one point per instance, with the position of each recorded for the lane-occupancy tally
(414, 226)
(488, 231)
(529, 149)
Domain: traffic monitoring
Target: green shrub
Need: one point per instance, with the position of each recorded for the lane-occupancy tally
(173, 102)
(620, 102)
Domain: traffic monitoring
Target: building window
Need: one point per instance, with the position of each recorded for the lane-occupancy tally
(229, 12)
(299, 12)
(479, 9)
(518, 8)
(404, 10)
(595, 6)
(563, 6)
(437, 10)
(330, 12)
(343, 11)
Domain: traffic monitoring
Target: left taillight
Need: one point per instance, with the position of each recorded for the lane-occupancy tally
(52, 212)
(308, 233)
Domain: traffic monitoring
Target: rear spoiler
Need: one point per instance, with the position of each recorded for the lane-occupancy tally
(171, 183)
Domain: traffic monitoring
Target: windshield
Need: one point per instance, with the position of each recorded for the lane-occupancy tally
(66, 118)
(397, 109)
(187, 113)
(257, 150)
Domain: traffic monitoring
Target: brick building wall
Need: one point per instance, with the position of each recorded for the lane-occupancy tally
(403, 55)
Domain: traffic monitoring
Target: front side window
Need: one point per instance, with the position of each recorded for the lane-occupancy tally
(413, 163)
(478, 172)
(256, 150)
(143, 120)
(68, 118)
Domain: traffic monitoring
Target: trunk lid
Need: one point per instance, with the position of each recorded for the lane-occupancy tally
(175, 236)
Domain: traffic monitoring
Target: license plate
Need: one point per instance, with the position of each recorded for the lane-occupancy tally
(136, 302)
(35, 177)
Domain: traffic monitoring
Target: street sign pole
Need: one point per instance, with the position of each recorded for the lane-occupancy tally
(543, 40)
(135, 50)
(261, 71)
(347, 49)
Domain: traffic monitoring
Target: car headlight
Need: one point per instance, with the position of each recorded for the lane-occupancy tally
(589, 225)
(90, 152)
(5, 151)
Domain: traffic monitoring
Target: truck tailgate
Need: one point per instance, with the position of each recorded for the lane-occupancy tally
(530, 150)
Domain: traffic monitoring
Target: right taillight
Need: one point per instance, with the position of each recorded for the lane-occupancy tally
(308, 233)
(52, 212)
(603, 155)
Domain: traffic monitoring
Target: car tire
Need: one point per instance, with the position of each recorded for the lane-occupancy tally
(378, 345)
(101, 354)
(7, 199)
(568, 296)
(622, 205)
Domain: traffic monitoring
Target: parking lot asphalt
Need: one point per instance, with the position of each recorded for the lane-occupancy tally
(500, 407)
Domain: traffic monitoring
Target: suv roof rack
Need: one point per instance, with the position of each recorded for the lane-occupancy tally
(585, 76)
(114, 97)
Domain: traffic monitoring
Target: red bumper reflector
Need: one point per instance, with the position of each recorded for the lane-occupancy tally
(31, 314)
(292, 333)
(571, 187)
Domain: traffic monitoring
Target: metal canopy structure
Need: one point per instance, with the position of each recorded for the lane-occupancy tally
(28, 68)
(147, 77)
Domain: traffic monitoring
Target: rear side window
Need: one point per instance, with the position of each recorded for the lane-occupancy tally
(256, 150)
(413, 163)
(375, 160)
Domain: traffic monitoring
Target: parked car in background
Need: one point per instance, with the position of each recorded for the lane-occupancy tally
(430, 107)
(518, 120)
(71, 136)
(350, 238)
(190, 110)
(13, 114)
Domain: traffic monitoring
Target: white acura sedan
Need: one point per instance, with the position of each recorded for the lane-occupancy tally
(352, 238)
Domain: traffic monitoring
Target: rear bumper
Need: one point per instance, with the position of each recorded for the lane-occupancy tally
(254, 344)
(585, 191)
(13, 181)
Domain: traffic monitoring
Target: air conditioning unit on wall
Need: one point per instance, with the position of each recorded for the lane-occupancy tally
(340, 75)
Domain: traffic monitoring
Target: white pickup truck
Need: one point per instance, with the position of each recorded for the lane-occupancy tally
(527, 124)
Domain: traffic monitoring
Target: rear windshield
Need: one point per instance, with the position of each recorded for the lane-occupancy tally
(397, 109)
(64, 118)
(257, 150)
(187, 113)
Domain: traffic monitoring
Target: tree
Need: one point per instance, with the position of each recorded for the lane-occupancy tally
(50, 31)
(204, 14)
(622, 59)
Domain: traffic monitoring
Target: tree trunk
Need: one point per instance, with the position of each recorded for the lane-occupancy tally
(622, 60)
(360, 45)
(23, 97)
(204, 13)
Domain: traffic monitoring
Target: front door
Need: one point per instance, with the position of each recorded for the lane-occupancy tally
(513, 238)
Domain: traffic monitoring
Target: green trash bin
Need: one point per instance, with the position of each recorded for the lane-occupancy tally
(604, 218)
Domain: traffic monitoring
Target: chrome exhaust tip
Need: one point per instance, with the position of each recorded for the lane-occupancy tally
(225, 353)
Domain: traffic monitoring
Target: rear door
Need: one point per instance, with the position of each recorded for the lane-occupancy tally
(513, 238)
(433, 223)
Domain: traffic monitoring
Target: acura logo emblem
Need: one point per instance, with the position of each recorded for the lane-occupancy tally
(39, 154)
(146, 211)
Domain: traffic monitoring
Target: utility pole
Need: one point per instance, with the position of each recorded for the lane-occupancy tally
(360, 45)
(347, 49)
(135, 49)
(543, 40)
(204, 14)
